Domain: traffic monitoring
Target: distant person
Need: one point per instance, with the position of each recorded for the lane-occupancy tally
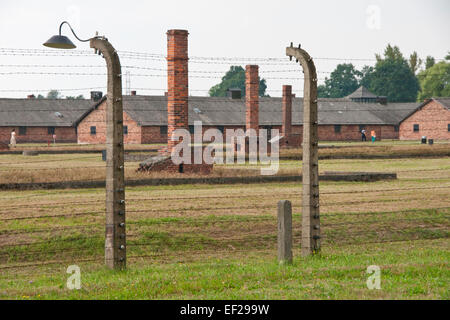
(374, 135)
(13, 141)
(363, 135)
(54, 138)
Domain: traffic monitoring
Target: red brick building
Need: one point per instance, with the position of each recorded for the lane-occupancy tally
(92, 127)
(146, 118)
(37, 120)
(430, 119)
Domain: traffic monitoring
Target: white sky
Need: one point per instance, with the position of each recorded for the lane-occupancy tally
(326, 29)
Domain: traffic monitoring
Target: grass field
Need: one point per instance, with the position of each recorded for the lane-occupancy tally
(86, 167)
(219, 241)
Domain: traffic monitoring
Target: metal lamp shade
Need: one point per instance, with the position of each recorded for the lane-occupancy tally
(59, 42)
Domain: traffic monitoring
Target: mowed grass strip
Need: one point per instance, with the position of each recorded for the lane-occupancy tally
(409, 270)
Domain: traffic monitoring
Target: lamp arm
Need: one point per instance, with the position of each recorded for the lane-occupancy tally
(65, 22)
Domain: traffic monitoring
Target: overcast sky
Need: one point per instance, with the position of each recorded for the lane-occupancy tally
(352, 29)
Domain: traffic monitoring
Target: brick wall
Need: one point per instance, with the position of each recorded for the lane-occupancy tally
(97, 119)
(347, 132)
(177, 82)
(389, 132)
(433, 120)
(39, 135)
(5, 134)
(152, 134)
(286, 110)
(252, 97)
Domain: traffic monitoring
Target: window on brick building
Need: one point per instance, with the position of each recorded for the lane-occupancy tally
(416, 128)
(361, 127)
(163, 130)
(191, 129)
(93, 130)
(337, 128)
(51, 130)
(125, 129)
(22, 131)
(448, 128)
(395, 128)
(221, 128)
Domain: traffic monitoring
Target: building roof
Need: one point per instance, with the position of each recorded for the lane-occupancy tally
(152, 111)
(215, 111)
(361, 93)
(444, 101)
(42, 112)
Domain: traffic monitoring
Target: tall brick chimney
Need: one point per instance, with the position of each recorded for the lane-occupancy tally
(252, 97)
(286, 111)
(177, 74)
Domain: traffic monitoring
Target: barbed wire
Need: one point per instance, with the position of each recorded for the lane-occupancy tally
(216, 209)
(163, 257)
(166, 75)
(218, 248)
(202, 222)
(163, 56)
(98, 88)
(48, 90)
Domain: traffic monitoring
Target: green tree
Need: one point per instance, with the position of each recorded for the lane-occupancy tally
(414, 62)
(343, 81)
(40, 96)
(54, 94)
(435, 81)
(429, 62)
(393, 77)
(366, 76)
(80, 97)
(235, 78)
(322, 91)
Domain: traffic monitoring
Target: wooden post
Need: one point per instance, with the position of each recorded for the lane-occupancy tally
(284, 232)
(310, 194)
(115, 238)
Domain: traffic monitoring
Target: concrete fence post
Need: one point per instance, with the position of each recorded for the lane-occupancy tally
(115, 236)
(310, 146)
(284, 232)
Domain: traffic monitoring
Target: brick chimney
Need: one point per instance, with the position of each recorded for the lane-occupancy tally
(31, 96)
(177, 74)
(133, 93)
(96, 95)
(286, 111)
(252, 97)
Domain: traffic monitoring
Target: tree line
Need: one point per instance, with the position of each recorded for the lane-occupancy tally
(55, 94)
(393, 76)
